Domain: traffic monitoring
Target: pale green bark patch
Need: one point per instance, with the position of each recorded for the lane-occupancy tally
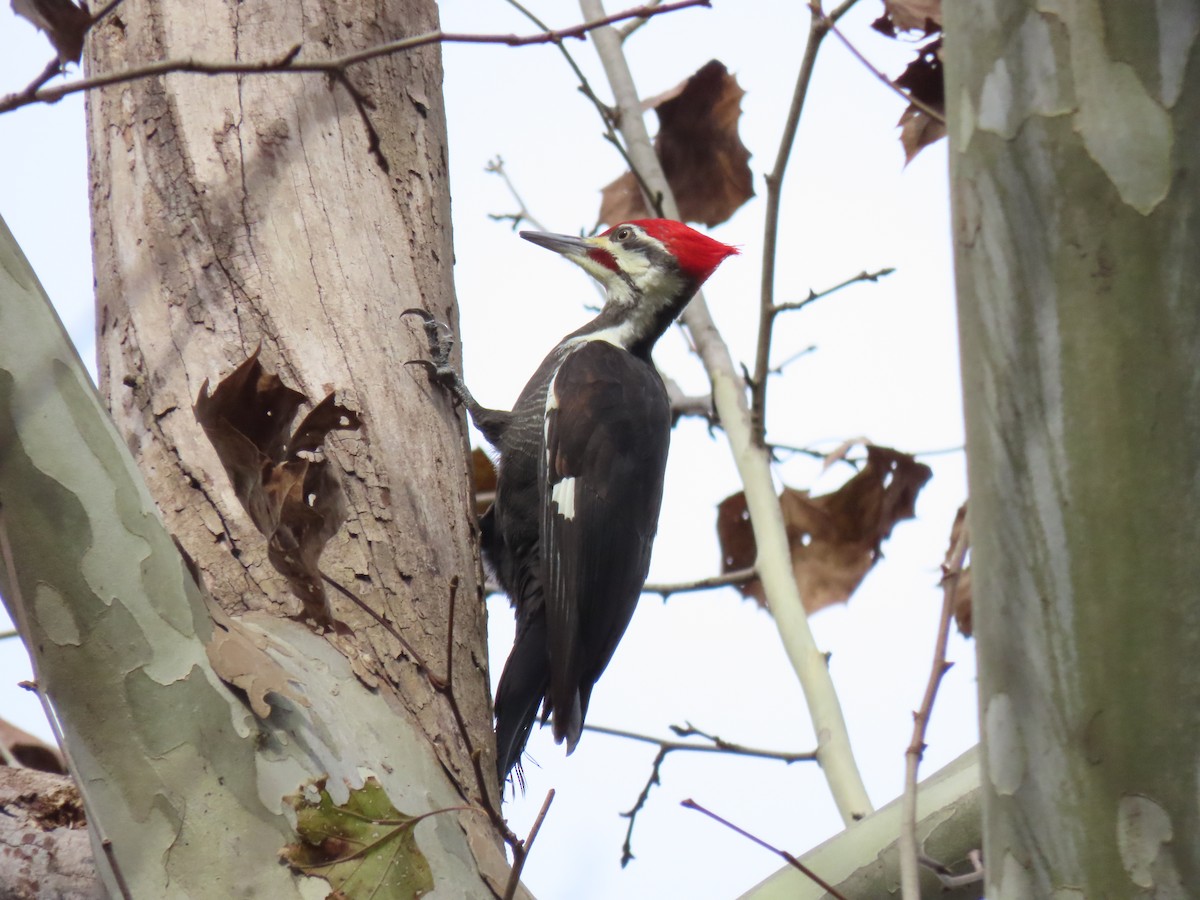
(1143, 827)
(1125, 130)
(1006, 750)
(55, 616)
(1027, 80)
(1178, 25)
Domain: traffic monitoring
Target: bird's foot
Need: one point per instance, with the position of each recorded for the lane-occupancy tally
(441, 343)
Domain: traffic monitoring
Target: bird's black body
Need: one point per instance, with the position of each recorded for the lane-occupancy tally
(575, 579)
(580, 476)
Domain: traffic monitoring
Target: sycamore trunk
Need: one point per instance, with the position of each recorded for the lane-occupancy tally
(1075, 138)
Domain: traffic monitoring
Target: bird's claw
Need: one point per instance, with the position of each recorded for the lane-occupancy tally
(441, 343)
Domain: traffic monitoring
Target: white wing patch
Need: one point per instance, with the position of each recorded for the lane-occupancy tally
(562, 495)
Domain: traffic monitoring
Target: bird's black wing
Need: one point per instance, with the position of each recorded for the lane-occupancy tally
(608, 424)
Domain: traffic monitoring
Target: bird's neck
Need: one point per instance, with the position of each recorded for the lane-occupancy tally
(634, 320)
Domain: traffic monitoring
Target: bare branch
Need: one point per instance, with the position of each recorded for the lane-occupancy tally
(335, 67)
(814, 296)
(778, 368)
(666, 746)
(715, 744)
(951, 570)
(783, 854)
(819, 26)
(521, 853)
(726, 579)
(387, 626)
(496, 167)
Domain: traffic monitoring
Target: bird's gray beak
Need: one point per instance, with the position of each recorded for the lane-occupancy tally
(566, 244)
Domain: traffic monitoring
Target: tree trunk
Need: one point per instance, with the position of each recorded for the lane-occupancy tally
(231, 213)
(1075, 131)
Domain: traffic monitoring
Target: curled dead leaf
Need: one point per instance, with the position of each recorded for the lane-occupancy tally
(702, 155)
(834, 538)
(918, 130)
(289, 491)
(924, 81)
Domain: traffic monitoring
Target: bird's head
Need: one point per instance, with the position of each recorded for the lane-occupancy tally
(650, 268)
(646, 256)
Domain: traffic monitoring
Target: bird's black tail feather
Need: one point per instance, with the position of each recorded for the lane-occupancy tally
(519, 695)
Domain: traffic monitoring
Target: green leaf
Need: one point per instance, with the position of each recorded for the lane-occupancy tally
(366, 848)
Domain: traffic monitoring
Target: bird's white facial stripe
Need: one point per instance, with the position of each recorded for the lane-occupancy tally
(562, 495)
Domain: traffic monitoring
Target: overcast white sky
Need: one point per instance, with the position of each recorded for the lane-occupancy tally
(886, 367)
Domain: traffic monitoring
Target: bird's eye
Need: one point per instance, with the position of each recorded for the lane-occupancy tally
(623, 234)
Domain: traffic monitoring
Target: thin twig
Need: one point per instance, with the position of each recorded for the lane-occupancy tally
(819, 26)
(778, 368)
(667, 745)
(446, 689)
(496, 167)
(417, 659)
(11, 633)
(910, 884)
(336, 66)
(949, 880)
(632, 813)
(715, 745)
(814, 296)
(783, 854)
(726, 579)
(521, 852)
(919, 104)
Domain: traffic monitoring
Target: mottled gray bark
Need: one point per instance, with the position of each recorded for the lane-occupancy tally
(1075, 137)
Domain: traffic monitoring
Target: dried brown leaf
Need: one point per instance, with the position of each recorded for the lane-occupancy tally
(917, 131)
(64, 23)
(702, 155)
(910, 15)
(291, 496)
(834, 538)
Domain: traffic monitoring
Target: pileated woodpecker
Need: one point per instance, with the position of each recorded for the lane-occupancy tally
(580, 477)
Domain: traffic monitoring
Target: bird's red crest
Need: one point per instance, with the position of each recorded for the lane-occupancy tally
(698, 254)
